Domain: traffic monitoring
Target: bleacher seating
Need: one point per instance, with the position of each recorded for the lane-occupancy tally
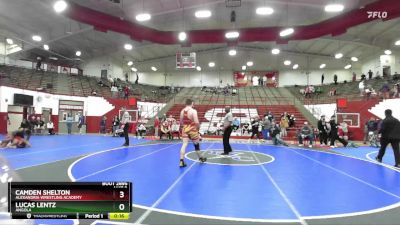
(347, 90)
(74, 85)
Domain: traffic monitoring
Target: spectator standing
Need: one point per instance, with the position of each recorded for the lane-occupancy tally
(323, 131)
(322, 78)
(254, 127)
(390, 131)
(115, 125)
(126, 92)
(361, 87)
(165, 130)
(335, 79)
(265, 80)
(266, 128)
(103, 123)
(370, 126)
(114, 91)
(385, 90)
(292, 121)
(354, 77)
(81, 123)
(370, 73)
(156, 126)
(125, 125)
(69, 123)
(284, 124)
(270, 116)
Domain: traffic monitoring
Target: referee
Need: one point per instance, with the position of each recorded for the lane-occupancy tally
(227, 130)
(390, 131)
(125, 125)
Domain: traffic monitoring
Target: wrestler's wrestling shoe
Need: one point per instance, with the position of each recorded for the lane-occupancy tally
(182, 163)
(202, 159)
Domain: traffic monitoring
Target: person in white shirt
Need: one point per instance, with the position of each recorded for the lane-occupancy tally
(141, 129)
(50, 127)
(361, 87)
(125, 125)
(228, 119)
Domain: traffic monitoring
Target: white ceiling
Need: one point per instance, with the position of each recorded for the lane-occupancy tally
(20, 19)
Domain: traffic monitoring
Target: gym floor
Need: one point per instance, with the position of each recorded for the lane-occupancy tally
(257, 184)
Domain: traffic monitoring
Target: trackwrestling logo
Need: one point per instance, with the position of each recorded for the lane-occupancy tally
(377, 14)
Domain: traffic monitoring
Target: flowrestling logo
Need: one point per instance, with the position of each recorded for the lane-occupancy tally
(377, 14)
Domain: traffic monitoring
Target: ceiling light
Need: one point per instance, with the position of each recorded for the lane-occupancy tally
(250, 63)
(322, 66)
(182, 36)
(9, 41)
(232, 52)
(264, 11)
(244, 67)
(59, 6)
(211, 64)
(36, 38)
(286, 32)
(198, 68)
(128, 47)
(397, 42)
(232, 34)
(130, 63)
(78, 53)
(154, 68)
(134, 69)
(202, 14)
(295, 66)
(275, 51)
(334, 8)
(338, 55)
(347, 67)
(46, 47)
(354, 59)
(143, 17)
(287, 62)
(388, 52)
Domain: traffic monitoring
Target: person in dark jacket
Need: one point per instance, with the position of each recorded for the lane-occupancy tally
(390, 134)
(276, 134)
(27, 128)
(306, 132)
(334, 133)
(323, 131)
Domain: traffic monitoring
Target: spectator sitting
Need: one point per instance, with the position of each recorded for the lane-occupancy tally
(306, 132)
(175, 129)
(220, 127)
(302, 91)
(396, 90)
(213, 129)
(50, 127)
(165, 130)
(246, 128)
(39, 125)
(332, 92)
(292, 121)
(270, 116)
(385, 90)
(363, 77)
(115, 125)
(94, 92)
(235, 124)
(141, 130)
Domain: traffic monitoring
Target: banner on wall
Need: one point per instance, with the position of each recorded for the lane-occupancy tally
(256, 78)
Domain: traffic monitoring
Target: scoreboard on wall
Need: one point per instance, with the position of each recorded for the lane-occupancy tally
(186, 60)
(64, 200)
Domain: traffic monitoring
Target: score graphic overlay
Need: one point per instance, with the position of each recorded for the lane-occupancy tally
(63, 200)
